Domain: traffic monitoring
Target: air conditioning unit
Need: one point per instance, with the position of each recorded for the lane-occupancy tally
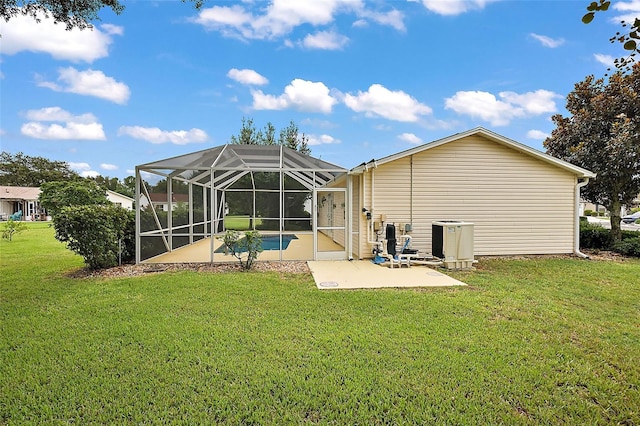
(452, 241)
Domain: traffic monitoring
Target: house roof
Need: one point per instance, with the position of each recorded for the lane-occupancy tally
(117, 194)
(159, 197)
(19, 193)
(579, 171)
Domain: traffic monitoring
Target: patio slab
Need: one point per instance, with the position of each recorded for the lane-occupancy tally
(343, 274)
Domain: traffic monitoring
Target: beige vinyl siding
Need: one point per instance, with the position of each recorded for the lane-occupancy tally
(356, 216)
(519, 204)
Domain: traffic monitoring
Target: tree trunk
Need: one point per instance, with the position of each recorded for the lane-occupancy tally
(614, 212)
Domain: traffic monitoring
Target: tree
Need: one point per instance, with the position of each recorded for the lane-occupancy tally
(12, 227)
(603, 135)
(71, 13)
(266, 204)
(629, 38)
(23, 170)
(55, 196)
(289, 136)
(114, 184)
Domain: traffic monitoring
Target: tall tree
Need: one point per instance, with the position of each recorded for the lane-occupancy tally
(290, 136)
(55, 196)
(23, 170)
(114, 184)
(71, 13)
(629, 37)
(603, 135)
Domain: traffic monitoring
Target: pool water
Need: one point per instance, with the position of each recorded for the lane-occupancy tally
(269, 242)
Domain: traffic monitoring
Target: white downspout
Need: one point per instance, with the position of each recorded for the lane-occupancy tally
(576, 238)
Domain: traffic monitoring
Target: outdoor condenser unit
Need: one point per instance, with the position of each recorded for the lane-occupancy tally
(452, 241)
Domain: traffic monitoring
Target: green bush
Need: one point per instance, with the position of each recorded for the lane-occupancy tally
(628, 247)
(102, 235)
(594, 236)
(588, 212)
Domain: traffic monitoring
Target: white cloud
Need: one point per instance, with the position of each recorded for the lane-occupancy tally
(537, 135)
(246, 76)
(23, 33)
(500, 112)
(606, 60)
(534, 103)
(322, 140)
(73, 127)
(84, 169)
(158, 136)
(411, 138)
(548, 41)
(91, 83)
(393, 18)
(106, 166)
(630, 11)
(382, 102)
(454, 7)
(280, 17)
(79, 167)
(302, 95)
(325, 40)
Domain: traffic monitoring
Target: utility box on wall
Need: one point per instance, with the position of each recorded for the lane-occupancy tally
(452, 241)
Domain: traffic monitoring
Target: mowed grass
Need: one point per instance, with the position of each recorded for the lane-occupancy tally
(240, 223)
(553, 341)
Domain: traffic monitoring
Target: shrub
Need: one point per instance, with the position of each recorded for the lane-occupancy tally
(247, 247)
(102, 235)
(628, 247)
(594, 236)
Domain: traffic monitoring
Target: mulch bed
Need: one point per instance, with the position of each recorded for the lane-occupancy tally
(146, 269)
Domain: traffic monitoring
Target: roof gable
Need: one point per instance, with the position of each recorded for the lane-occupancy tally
(489, 135)
(19, 193)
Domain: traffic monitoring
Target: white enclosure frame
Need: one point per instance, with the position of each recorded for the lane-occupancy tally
(214, 171)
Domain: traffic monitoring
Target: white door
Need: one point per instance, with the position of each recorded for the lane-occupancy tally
(330, 224)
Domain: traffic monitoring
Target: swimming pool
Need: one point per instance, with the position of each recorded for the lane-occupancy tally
(269, 242)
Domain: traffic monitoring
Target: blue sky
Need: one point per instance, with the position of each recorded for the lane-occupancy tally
(362, 79)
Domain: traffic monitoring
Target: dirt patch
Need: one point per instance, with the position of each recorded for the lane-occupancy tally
(140, 270)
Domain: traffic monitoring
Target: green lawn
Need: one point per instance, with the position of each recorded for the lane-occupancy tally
(551, 341)
(240, 223)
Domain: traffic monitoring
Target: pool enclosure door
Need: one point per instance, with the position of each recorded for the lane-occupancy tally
(330, 241)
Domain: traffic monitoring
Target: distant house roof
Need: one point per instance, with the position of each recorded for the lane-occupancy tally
(19, 193)
(158, 197)
(117, 194)
(579, 171)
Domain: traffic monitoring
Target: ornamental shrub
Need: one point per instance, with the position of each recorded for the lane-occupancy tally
(594, 236)
(628, 247)
(245, 249)
(102, 235)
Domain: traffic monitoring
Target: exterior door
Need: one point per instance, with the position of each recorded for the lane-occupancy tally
(330, 224)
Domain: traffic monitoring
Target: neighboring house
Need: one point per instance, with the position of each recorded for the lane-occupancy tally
(120, 200)
(160, 201)
(520, 200)
(14, 199)
(624, 210)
